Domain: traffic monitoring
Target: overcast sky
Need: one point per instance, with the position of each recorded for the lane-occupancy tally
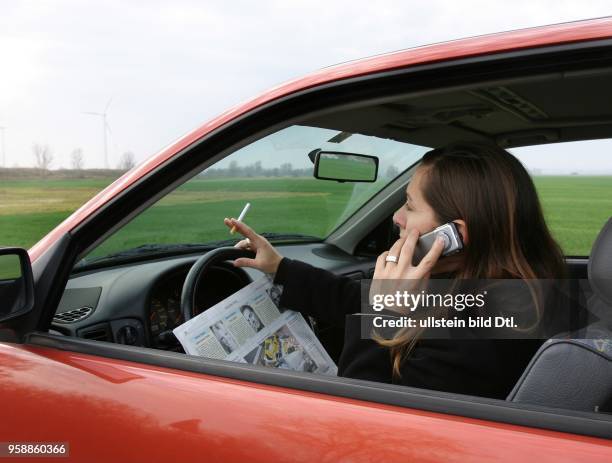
(170, 66)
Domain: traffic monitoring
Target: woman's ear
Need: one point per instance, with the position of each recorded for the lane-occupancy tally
(463, 231)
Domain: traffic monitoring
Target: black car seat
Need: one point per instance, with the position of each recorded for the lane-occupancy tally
(574, 371)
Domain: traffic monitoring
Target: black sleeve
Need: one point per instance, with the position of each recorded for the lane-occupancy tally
(317, 292)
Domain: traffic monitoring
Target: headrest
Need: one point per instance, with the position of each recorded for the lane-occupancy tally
(600, 264)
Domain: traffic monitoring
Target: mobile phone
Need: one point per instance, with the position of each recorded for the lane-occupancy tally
(453, 242)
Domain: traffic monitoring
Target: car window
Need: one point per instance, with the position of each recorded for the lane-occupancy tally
(275, 175)
(574, 182)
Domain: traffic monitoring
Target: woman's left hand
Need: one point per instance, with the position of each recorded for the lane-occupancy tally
(403, 250)
(408, 277)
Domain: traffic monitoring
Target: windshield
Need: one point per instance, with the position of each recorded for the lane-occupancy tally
(275, 175)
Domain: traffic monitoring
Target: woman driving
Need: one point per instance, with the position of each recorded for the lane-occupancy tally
(491, 199)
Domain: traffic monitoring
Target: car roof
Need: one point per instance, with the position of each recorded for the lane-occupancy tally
(566, 33)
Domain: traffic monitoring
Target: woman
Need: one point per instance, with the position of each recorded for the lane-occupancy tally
(490, 197)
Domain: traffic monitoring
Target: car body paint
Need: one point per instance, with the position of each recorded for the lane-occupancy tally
(115, 410)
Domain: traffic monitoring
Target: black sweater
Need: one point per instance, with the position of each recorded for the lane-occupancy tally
(481, 367)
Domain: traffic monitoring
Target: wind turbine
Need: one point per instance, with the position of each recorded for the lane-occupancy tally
(105, 129)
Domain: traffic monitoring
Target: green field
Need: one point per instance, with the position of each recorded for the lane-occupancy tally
(575, 206)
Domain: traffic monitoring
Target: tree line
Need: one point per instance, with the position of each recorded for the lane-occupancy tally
(257, 170)
(284, 170)
(44, 158)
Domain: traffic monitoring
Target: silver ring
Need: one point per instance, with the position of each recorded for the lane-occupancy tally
(391, 259)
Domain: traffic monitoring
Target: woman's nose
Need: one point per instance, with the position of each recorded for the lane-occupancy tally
(397, 219)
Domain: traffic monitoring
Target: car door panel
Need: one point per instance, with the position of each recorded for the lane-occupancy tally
(109, 409)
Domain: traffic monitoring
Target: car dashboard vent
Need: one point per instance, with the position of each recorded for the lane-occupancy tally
(72, 316)
(99, 332)
(96, 335)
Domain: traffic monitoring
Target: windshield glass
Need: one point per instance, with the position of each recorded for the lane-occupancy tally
(275, 175)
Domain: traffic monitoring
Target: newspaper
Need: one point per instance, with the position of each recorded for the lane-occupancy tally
(248, 327)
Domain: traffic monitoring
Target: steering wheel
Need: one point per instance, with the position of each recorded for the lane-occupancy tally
(201, 266)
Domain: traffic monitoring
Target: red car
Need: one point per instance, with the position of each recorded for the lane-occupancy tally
(87, 358)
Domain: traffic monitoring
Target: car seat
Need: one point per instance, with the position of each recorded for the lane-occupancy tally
(574, 371)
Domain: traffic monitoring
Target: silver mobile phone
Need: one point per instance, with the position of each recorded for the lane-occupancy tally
(452, 241)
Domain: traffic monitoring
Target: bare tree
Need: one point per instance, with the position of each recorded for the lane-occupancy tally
(76, 160)
(43, 157)
(127, 161)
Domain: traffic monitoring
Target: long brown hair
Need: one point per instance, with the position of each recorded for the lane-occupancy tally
(491, 191)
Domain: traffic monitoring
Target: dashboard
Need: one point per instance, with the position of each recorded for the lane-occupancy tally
(139, 303)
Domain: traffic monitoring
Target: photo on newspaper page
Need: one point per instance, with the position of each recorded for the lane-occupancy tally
(248, 327)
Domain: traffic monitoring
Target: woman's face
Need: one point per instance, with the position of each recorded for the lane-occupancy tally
(415, 213)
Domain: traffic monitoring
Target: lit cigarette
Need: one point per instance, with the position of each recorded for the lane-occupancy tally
(241, 216)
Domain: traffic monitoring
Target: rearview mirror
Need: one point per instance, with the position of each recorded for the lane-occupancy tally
(345, 167)
(16, 283)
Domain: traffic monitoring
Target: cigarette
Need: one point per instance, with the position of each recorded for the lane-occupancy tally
(241, 216)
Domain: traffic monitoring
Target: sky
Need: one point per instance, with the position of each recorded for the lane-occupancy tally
(161, 69)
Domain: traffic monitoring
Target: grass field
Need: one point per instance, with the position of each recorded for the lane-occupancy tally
(575, 206)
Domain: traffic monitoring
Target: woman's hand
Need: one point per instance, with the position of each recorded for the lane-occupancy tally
(403, 275)
(403, 250)
(266, 259)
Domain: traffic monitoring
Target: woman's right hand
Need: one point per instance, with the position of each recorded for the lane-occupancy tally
(266, 259)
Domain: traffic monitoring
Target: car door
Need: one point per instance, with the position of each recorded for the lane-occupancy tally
(107, 408)
(110, 401)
